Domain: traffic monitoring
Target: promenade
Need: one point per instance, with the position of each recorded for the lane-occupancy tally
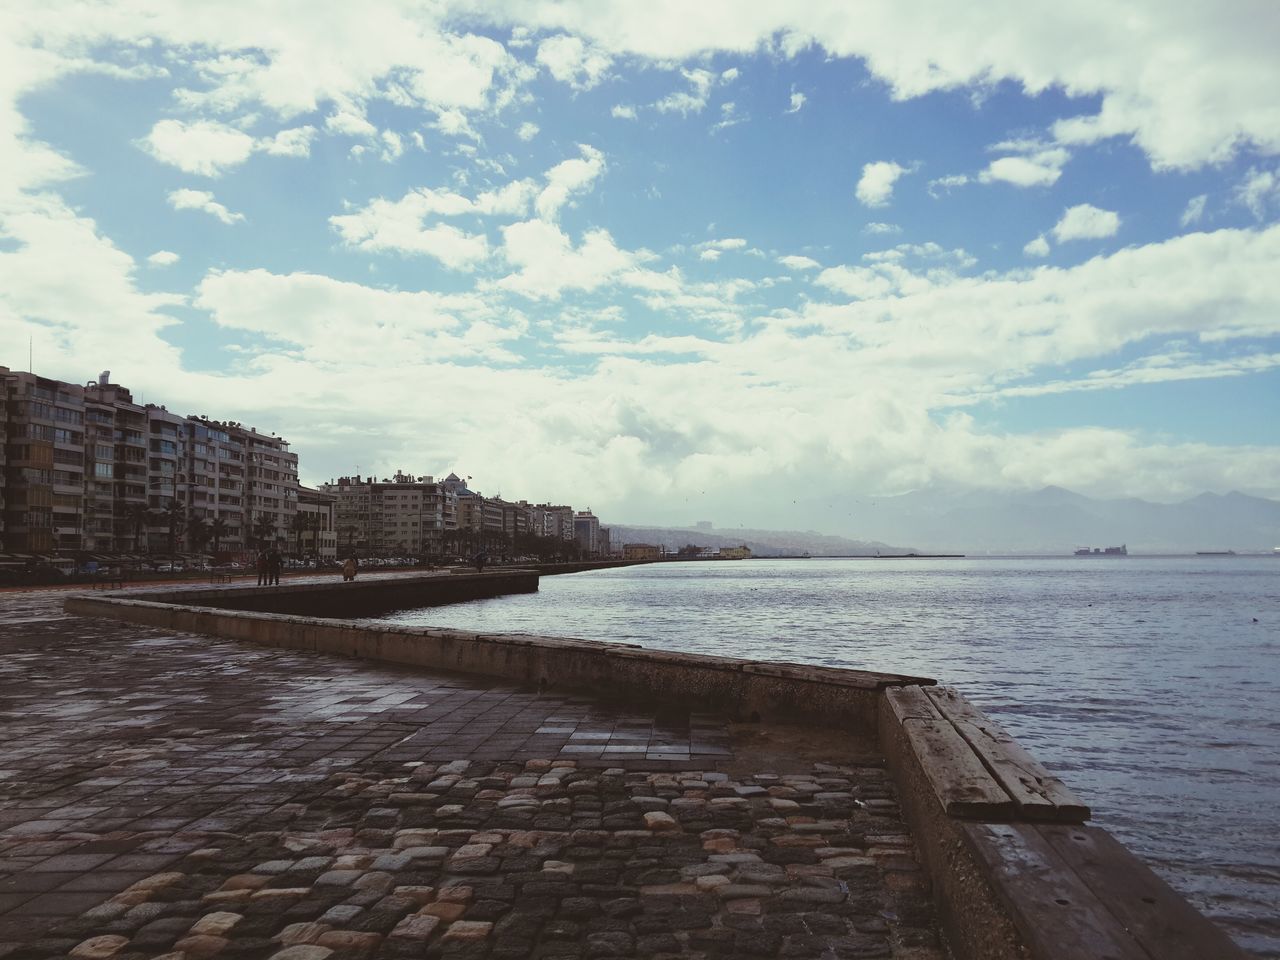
(173, 795)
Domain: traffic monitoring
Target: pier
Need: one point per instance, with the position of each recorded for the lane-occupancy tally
(221, 771)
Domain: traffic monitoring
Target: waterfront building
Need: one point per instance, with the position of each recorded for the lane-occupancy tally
(586, 531)
(735, 553)
(640, 551)
(404, 515)
(87, 470)
(44, 468)
(316, 534)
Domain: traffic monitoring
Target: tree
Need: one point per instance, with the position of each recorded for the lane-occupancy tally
(198, 533)
(299, 523)
(264, 529)
(174, 516)
(351, 531)
(139, 517)
(217, 530)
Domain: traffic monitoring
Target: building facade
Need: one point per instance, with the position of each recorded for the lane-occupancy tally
(400, 516)
(85, 469)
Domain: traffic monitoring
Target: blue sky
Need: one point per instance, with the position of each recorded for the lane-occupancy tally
(664, 261)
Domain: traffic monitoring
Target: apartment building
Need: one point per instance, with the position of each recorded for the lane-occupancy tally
(317, 534)
(586, 531)
(403, 515)
(44, 463)
(86, 469)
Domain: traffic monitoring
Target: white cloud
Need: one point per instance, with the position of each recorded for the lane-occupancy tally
(881, 229)
(796, 262)
(692, 100)
(1086, 222)
(568, 178)
(1194, 211)
(729, 117)
(203, 147)
(1039, 247)
(709, 254)
(946, 184)
(163, 258)
(348, 120)
(571, 61)
(875, 189)
(527, 131)
(546, 262)
(414, 327)
(797, 101)
(295, 142)
(730, 75)
(400, 226)
(623, 112)
(202, 200)
(1149, 70)
(455, 123)
(1259, 190)
(1040, 169)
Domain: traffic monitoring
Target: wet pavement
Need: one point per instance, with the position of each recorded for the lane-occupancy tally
(174, 795)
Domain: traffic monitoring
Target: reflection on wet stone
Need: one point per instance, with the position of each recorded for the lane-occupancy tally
(170, 794)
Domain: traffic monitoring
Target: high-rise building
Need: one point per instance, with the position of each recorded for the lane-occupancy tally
(404, 515)
(86, 469)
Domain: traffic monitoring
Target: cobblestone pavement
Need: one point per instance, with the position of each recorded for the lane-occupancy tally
(173, 795)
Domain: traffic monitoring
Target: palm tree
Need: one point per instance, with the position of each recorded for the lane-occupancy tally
(264, 529)
(139, 517)
(299, 523)
(217, 530)
(174, 516)
(198, 533)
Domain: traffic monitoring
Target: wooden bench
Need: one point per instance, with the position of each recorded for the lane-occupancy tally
(975, 767)
(1071, 891)
(105, 581)
(221, 576)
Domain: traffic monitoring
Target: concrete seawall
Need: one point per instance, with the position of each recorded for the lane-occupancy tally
(742, 688)
(1015, 872)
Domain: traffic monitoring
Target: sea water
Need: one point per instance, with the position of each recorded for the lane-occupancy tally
(1150, 685)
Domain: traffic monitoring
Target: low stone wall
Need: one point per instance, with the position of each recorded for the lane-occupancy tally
(1005, 890)
(372, 597)
(742, 688)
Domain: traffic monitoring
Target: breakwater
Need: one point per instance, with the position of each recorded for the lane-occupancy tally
(1017, 872)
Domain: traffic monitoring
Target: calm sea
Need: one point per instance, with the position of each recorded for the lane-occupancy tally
(1150, 685)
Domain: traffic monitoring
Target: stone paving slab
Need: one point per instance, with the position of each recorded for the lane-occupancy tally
(173, 795)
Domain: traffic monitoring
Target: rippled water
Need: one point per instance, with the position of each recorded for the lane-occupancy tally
(1151, 685)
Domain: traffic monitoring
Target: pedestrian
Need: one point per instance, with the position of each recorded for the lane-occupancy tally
(349, 569)
(274, 563)
(261, 565)
(480, 560)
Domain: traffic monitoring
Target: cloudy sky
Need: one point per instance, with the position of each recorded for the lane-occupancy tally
(726, 260)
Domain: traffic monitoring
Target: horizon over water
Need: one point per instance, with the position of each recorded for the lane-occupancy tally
(1145, 683)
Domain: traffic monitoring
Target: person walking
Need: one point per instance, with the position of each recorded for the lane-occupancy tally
(274, 562)
(261, 565)
(349, 569)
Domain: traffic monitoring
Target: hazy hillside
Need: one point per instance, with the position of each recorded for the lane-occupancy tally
(1054, 520)
(765, 543)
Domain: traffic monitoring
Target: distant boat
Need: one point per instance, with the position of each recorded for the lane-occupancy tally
(1215, 553)
(1120, 551)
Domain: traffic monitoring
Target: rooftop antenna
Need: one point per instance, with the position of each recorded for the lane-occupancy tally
(29, 367)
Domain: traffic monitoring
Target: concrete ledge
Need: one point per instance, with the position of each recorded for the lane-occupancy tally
(1009, 887)
(741, 688)
(1004, 890)
(372, 597)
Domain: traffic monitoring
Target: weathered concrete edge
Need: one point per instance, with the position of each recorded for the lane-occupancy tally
(981, 910)
(741, 688)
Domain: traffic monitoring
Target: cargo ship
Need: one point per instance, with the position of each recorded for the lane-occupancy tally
(1120, 551)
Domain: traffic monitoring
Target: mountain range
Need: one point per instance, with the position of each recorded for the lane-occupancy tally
(1047, 521)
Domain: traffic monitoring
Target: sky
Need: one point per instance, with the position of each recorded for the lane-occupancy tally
(730, 261)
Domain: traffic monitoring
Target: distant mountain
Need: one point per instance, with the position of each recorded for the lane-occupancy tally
(1054, 520)
(763, 543)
